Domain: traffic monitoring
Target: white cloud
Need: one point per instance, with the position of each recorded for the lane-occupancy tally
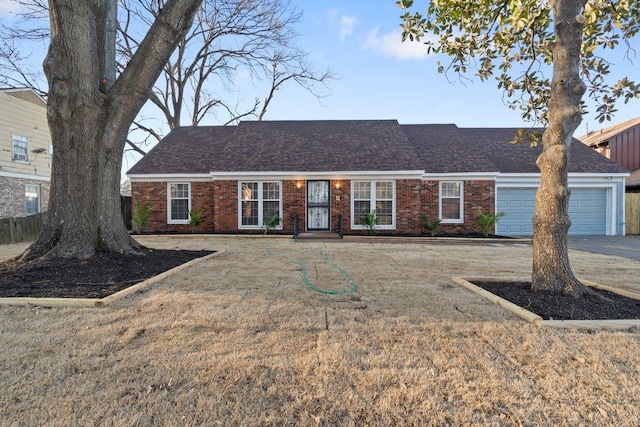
(9, 8)
(390, 44)
(341, 22)
(346, 25)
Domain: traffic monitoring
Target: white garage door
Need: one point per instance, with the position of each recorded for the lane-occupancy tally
(587, 209)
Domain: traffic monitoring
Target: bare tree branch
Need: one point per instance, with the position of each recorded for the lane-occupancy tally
(229, 38)
(135, 147)
(286, 66)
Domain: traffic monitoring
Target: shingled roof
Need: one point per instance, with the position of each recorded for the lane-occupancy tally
(521, 158)
(602, 136)
(351, 145)
(313, 146)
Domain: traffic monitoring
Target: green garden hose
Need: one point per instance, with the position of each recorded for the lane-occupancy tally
(310, 285)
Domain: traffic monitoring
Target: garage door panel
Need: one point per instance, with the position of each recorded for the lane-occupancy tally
(587, 209)
(591, 214)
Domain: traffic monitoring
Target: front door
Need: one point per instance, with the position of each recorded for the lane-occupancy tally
(318, 205)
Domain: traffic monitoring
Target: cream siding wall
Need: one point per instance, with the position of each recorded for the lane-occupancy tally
(29, 119)
(23, 113)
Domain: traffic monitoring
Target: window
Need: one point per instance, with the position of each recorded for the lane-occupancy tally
(369, 195)
(258, 203)
(179, 203)
(32, 199)
(20, 146)
(451, 202)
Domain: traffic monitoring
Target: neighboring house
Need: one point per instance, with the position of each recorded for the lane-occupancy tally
(620, 143)
(25, 153)
(329, 174)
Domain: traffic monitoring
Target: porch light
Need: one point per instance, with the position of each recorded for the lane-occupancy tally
(298, 185)
(337, 185)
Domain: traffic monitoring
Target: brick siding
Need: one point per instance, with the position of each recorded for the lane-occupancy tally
(219, 199)
(12, 200)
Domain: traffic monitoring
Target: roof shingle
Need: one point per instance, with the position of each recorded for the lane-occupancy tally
(351, 145)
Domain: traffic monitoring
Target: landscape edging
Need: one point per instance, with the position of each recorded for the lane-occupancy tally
(624, 324)
(109, 299)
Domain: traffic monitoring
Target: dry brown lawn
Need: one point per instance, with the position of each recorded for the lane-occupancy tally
(240, 340)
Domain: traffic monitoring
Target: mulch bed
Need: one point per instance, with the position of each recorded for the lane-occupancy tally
(97, 277)
(107, 273)
(596, 305)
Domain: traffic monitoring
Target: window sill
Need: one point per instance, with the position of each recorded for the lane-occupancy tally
(255, 227)
(451, 221)
(377, 227)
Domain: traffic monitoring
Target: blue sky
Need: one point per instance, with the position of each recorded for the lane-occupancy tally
(382, 78)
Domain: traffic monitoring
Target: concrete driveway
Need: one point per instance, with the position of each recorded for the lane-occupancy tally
(622, 246)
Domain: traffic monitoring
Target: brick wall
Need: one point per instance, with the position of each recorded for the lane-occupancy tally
(293, 204)
(225, 206)
(12, 200)
(340, 205)
(408, 205)
(219, 200)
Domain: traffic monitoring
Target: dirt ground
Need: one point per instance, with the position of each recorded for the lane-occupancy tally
(240, 339)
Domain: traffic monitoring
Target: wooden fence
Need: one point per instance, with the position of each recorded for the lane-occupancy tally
(632, 213)
(24, 229)
(125, 205)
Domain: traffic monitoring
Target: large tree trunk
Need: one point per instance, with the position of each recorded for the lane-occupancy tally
(551, 222)
(89, 124)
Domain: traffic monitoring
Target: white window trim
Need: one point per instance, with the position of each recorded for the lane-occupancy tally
(38, 197)
(13, 153)
(260, 205)
(176, 221)
(373, 182)
(451, 221)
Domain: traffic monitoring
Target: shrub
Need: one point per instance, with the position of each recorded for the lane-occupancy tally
(141, 216)
(271, 223)
(429, 225)
(196, 217)
(371, 220)
(487, 222)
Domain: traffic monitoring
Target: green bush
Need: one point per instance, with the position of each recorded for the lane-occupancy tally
(271, 223)
(371, 220)
(196, 217)
(429, 225)
(141, 216)
(487, 222)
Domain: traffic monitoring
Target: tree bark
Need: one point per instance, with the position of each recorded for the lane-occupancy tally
(551, 221)
(89, 126)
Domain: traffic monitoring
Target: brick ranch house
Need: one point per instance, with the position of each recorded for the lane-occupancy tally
(326, 175)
